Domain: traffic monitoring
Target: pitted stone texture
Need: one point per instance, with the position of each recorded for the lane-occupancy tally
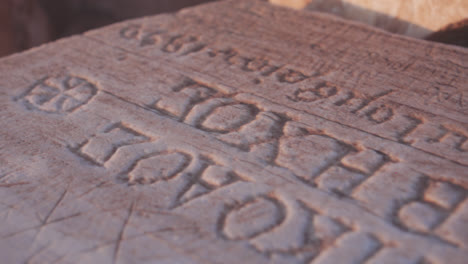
(234, 132)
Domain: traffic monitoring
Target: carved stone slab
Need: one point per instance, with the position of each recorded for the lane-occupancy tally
(235, 132)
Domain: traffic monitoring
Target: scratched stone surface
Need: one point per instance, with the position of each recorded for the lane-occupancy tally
(235, 132)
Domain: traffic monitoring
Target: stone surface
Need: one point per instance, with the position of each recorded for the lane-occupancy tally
(416, 18)
(235, 132)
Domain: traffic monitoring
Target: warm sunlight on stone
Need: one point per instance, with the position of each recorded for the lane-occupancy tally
(416, 18)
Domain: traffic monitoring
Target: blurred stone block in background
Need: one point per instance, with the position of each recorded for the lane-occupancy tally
(415, 18)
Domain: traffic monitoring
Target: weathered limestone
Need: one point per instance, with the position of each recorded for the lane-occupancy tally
(235, 132)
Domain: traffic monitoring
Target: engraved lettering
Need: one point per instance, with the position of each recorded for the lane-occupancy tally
(291, 76)
(101, 147)
(322, 90)
(130, 32)
(59, 95)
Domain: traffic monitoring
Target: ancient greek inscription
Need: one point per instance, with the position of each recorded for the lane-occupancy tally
(59, 95)
(285, 229)
(157, 167)
(319, 91)
(447, 138)
(183, 44)
(232, 57)
(399, 125)
(260, 66)
(236, 123)
(456, 139)
(104, 145)
(136, 159)
(349, 101)
(446, 89)
(215, 135)
(442, 96)
(443, 89)
(184, 98)
(166, 41)
(273, 137)
(339, 168)
(374, 58)
(194, 176)
(130, 32)
(436, 202)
